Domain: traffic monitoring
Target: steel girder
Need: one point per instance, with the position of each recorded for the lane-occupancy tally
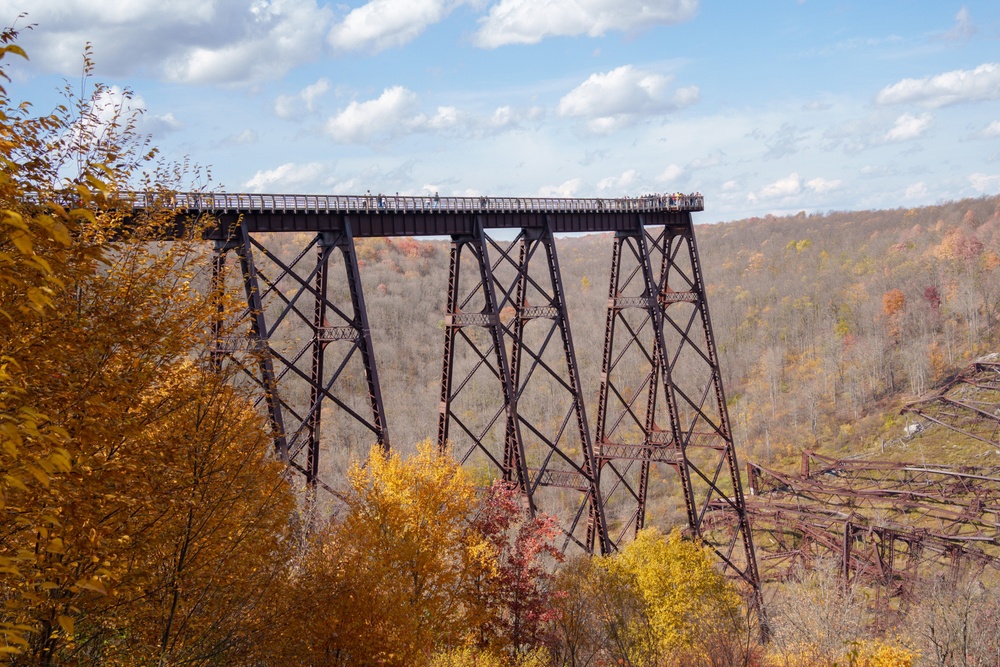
(969, 404)
(510, 377)
(886, 522)
(308, 350)
(661, 402)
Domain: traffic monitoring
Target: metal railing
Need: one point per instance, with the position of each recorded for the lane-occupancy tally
(222, 201)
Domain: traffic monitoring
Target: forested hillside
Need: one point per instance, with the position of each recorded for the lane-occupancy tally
(144, 519)
(825, 323)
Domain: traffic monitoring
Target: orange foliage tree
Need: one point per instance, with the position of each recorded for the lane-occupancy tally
(142, 521)
(419, 570)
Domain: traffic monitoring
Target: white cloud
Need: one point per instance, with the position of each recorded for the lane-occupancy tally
(188, 41)
(991, 131)
(877, 170)
(111, 109)
(981, 83)
(279, 35)
(783, 187)
(985, 183)
(567, 189)
(916, 191)
(395, 113)
(158, 125)
(288, 177)
(247, 136)
(671, 173)
(360, 121)
(618, 97)
(821, 185)
(508, 117)
(304, 102)
(782, 143)
(530, 21)
(619, 183)
(445, 118)
(502, 117)
(382, 24)
(713, 160)
(964, 28)
(908, 127)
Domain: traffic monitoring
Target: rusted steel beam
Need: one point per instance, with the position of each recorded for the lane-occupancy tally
(956, 506)
(376, 216)
(517, 296)
(887, 521)
(661, 401)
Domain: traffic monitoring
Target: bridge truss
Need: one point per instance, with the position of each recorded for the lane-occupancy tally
(661, 408)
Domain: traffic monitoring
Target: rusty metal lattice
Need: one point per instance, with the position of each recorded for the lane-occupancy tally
(289, 297)
(969, 404)
(661, 398)
(519, 342)
(887, 522)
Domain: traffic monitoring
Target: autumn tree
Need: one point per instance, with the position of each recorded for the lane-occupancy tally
(385, 584)
(143, 519)
(514, 592)
(33, 270)
(658, 602)
(420, 568)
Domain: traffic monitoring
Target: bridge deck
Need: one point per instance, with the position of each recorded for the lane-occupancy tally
(392, 215)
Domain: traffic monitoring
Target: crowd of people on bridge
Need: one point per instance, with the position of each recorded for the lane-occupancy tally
(657, 201)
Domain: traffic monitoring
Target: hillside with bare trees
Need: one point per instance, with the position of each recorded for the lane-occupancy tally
(826, 324)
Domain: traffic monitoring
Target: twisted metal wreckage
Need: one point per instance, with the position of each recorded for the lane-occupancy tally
(887, 523)
(969, 404)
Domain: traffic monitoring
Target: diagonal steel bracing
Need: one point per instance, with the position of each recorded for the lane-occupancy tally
(308, 348)
(661, 405)
(510, 376)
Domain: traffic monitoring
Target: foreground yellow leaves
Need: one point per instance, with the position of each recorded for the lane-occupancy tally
(142, 520)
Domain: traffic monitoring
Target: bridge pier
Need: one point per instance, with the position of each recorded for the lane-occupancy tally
(661, 403)
(517, 298)
(284, 301)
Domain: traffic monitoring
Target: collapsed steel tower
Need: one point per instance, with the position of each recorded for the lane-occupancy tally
(887, 523)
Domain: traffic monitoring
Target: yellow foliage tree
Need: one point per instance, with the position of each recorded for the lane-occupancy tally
(681, 592)
(142, 520)
(863, 653)
(388, 583)
(658, 602)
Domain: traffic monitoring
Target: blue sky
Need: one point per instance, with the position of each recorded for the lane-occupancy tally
(765, 106)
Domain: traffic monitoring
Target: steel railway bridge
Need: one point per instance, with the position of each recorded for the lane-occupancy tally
(506, 335)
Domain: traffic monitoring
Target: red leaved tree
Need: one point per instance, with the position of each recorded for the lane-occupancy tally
(515, 594)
